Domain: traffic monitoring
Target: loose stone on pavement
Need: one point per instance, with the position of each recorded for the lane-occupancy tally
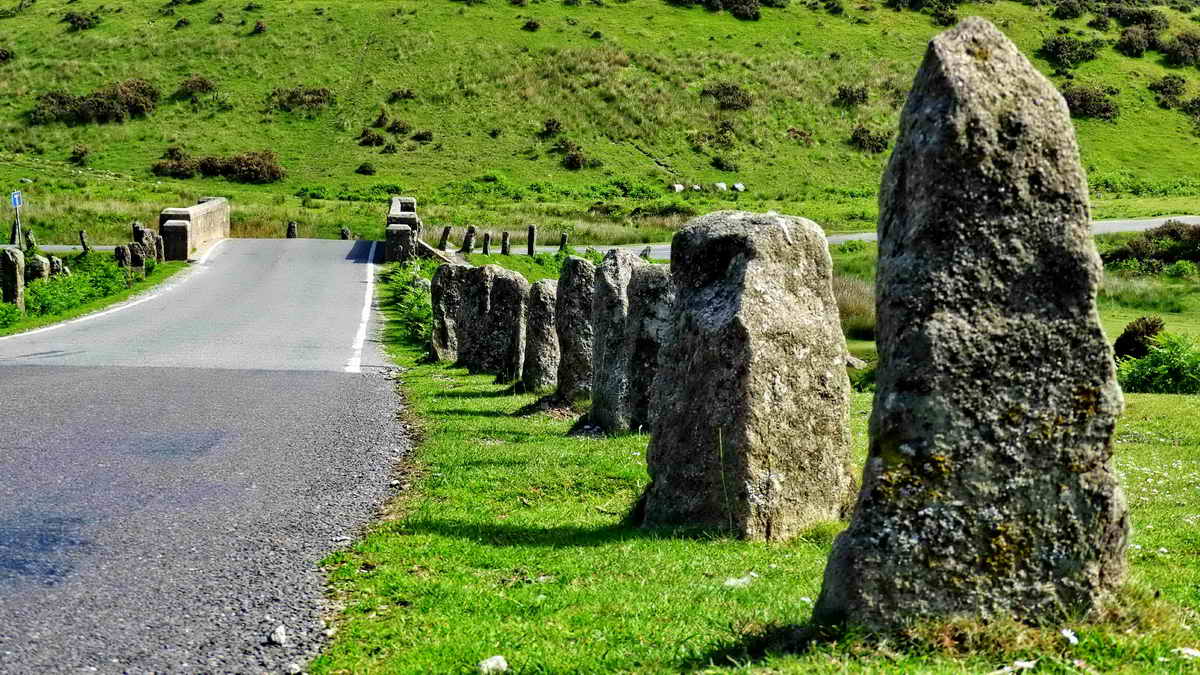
(751, 429)
(989, 490)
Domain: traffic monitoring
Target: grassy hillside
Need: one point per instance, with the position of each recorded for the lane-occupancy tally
(623, 80)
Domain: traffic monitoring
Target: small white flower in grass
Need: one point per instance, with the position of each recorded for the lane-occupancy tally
(1187, 652)
(1070, 635)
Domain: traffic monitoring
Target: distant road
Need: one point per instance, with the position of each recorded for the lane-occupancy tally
(663, 251)
(174, 472)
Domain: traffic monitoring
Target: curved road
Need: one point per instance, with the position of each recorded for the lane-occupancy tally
(173, 472)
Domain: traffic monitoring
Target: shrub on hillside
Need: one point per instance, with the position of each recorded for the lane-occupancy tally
(550, 128)
(259, 28)
(365, 169)
(401, 95)
(532, 26)
(1172, 366)
(382, 121)
(194, 86)
(863, 138)
(723, 163)
(728, 95)
(424, 136)
(1183, 49)
(6, 55)
(77, 21)
(849, 95)
(248, 167)
(300, 98)
(1182, 269)
(1169, 90)
(1069, 9)
(116, 102)
(747, 10)
(1134, 41)
(1068, 52)
(1135, 340)
(370, 139)
(399, 127)
(79, 155)
(1095, 102)
(1128, 15)
(1100, 22)
(1168, 243)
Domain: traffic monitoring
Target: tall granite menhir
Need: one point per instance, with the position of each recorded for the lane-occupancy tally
(491, 328)
(647, 328)
(610, 355)
(751, 429)
(541, 340)
(573, 324)
(988, 490)
(446, 293)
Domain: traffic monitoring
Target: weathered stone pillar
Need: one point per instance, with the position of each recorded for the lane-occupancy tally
(121, 255)
(562, 243)
(83, 241)
(160, 249)
(541, 340)
(444, 242)
(610, 359)
(56, 267)
(651, 299)
(751, 429)
(989, 490)
(36, 267)
(531, 239)
(137, 260)
(491, 326)
(344, 233)
(573, 326)
(292, 230)
(399, 246)
(487, 243)
(504, 244)
(12, 277)
(446, 293)
(468, 246)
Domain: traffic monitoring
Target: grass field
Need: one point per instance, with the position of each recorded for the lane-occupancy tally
(624, 80)
(508, 540)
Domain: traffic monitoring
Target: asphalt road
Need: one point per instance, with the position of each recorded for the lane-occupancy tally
(663, 251)
(174, 472)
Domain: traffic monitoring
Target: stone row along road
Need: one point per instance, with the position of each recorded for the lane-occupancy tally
(175, 471)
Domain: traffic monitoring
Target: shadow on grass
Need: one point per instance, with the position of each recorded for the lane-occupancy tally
(757, 646)
(474, 394)
(503, 534)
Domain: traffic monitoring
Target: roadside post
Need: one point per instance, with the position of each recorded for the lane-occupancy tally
(17, 200)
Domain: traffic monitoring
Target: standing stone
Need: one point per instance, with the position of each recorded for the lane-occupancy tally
(989, 490)
(752, 403)
(647, 329)
(345, 233)
(646, 253)
(56, 267)
(137, 260)
(30, 240)
(121, 255)
(531, 239)
(487, 243)
(12, 277)
(491, 336)
(468, 246)
(83, 242)
(541, 340)
(562, 243)
(292, 230)
(610, 357)
(399, 243)
(446, 293)
(505, 248)
(36, 267)
(573, 325)
(444, 242)
(160, 248)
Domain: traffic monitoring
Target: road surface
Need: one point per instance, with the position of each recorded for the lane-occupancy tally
(174, 472)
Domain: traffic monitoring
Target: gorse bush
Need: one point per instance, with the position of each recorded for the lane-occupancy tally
(1137, 337)
(1172, 366)
(1069, 9)
(248, 167)
(728, 95)
(194, 86)
(1169, 90)
(863, 138)
(1129, 15)
(116, 102)
(850, 95)
(77, 21)
(1182, 50)
(6, 55)
(1068, 52)
(1095, 102)
(300, 98)
(1135, 40)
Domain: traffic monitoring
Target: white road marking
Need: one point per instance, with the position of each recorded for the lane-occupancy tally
(354, 365)
(170, 286)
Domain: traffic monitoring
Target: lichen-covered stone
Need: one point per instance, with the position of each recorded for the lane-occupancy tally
(751, 422)
(446, 293)
(12, 277)
(137, 259)
(491, 328)
(988, 490)
(610, 356)
(121, 256)
(36, 267)
(541, 340)
(56, 267)
(573, 325)
(651, 295)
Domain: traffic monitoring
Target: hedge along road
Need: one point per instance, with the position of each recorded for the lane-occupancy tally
(175, 470)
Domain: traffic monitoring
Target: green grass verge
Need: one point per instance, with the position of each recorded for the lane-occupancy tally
(161, 273)
(509, 541)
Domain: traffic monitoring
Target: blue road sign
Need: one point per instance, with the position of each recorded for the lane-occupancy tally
(17, 201)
